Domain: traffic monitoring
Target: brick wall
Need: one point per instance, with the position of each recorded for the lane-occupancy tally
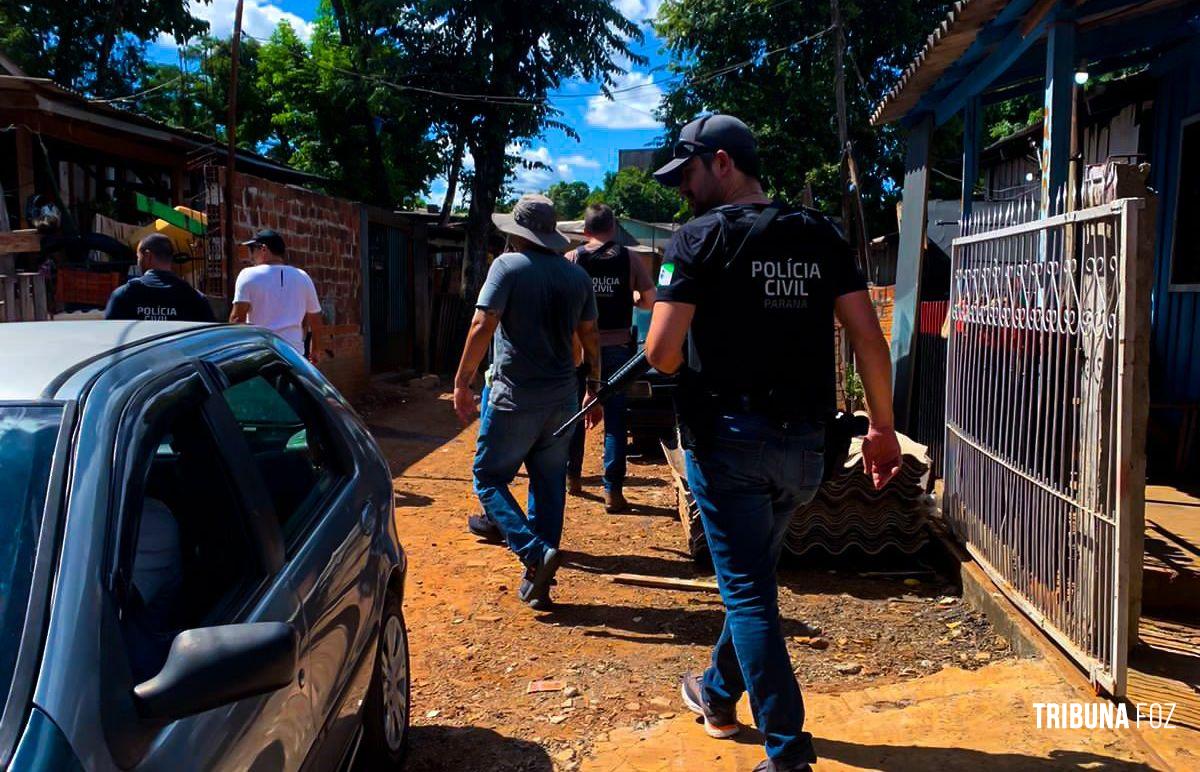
(322, 237)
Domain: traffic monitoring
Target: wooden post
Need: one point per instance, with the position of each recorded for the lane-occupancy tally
(423, 296)
(972, 144)
(8, 298)
(235, 46)
(915, 207)
(25, 296)
(1056, 127)
(40, 312)
(25, 185)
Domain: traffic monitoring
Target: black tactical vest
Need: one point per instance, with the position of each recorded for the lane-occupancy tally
(609, 268)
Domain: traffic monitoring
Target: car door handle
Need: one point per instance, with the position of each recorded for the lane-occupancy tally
(366, 518)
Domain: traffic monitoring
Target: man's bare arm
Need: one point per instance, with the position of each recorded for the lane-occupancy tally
(313, 323)
(589, 337)
(479, 336)
(645, 298)
(239, 313)
(668, 329)
(881, 450)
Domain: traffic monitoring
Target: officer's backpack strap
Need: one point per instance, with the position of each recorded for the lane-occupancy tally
(765, 218)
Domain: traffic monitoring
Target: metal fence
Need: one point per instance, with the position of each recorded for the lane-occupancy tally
(1038, 423)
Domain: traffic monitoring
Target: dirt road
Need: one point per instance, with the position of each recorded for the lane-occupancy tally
(617, 650)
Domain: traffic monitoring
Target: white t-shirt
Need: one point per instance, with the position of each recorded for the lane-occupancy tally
(279, 297)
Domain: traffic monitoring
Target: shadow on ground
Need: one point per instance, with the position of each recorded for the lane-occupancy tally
(695, 625)
(909, 758)
(437, 748)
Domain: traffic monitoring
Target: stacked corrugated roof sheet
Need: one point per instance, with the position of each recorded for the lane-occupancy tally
(849, 515)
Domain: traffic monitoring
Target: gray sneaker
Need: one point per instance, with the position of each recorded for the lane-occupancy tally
(770, 766)
(767, 765)
(535, 587)
(718, 722)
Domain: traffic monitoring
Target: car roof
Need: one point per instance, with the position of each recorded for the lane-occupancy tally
(36, 355)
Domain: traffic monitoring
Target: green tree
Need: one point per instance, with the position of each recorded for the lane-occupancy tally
(785, 92)
(633, 193)
(508, 55)
(93, 46)
(570, 198)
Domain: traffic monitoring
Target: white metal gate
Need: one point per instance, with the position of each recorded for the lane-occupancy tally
(1038, 420)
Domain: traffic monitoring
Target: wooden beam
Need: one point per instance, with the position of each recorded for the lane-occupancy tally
(26, 240)
(1037, 14)
(1059, 102)
(972, 145)
(665, 582)
(909, 263)
(25, 178)
(1007, 51)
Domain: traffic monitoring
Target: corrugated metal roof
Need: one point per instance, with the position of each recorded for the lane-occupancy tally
(189, 141)
(942, 48)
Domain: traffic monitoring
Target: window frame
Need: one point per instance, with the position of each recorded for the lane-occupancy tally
(133, 454)
(245, 362)
(1173, 223)
(13, 705)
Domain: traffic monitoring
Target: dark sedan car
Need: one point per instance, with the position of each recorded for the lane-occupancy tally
(198, 564)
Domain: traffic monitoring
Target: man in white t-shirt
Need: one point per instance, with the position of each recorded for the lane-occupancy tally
(277, 296)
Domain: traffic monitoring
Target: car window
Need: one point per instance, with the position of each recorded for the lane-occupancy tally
(27, 440)
(191, 561)
(284, 427)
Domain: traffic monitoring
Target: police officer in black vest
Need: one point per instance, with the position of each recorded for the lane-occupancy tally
(159, 294)
(757, 284)
(620, 281)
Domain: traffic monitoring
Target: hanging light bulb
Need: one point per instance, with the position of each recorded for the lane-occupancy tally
(1081, 73)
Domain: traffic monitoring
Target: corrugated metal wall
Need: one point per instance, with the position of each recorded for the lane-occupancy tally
(1175, 364)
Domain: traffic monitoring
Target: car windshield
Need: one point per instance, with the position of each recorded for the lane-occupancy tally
(27, 438)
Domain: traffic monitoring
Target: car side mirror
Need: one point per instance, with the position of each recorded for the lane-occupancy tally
(213, 666)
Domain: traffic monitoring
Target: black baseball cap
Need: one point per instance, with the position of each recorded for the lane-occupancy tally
(708, 135)
(268, 238)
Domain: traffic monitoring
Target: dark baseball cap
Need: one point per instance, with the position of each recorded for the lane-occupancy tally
(708, 135)
(268, 238)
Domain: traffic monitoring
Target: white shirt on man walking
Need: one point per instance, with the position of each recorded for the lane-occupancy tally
(274, 295)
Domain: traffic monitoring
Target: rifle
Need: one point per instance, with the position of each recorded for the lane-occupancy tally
(629, 372)
(839, 431)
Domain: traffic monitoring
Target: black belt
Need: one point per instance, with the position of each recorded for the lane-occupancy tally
(779, 405)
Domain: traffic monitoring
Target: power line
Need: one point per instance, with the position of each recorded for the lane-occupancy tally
(137, 94)
(519, 101)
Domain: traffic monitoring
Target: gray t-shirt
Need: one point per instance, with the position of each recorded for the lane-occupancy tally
(541, 298)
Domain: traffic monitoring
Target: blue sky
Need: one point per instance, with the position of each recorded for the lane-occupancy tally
(604, 126)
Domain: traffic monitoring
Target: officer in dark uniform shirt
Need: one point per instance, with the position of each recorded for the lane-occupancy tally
(619, 281)
(758, 284)
(159, 294)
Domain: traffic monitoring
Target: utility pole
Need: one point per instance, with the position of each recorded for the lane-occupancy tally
(231, 134)
(848, 169)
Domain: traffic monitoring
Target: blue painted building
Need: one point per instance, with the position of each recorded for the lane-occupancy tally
(991, 50)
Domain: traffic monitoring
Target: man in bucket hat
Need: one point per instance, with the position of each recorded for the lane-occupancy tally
(534, 302)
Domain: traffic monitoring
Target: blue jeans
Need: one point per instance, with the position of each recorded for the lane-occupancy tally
(508, 438)
(615, 440)
(748, 480)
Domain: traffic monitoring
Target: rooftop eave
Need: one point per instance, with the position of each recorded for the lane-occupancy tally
(942, 48)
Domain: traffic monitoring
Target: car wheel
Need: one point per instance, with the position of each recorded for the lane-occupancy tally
(388, 708)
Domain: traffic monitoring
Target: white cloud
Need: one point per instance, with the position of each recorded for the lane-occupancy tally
(526, 180)
(259, 19)
(632, 108)
(639, 10)
(580, 161)
(561, 169)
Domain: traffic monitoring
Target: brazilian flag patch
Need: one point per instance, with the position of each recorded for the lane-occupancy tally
(664, 275)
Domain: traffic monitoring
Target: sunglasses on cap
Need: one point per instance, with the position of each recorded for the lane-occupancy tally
(686, 148)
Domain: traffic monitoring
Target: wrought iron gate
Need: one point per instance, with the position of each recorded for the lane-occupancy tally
(1038, 419)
